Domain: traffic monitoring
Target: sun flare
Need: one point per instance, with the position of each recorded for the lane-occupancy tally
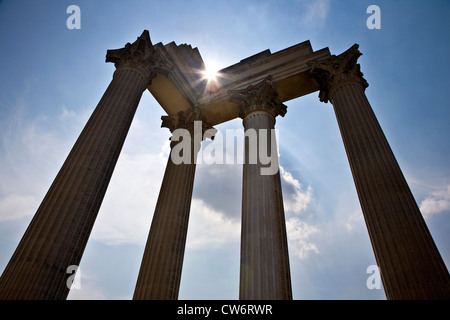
(211, 71)
(210, 74)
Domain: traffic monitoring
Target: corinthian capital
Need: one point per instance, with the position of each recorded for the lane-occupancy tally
(259, 97)
(186, 120)
(337, 70)
(141, 56)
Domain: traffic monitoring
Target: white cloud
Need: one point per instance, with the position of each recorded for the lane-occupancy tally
(83, 288)
(437, 202)
(353, 221)
(86, 292)
(259, 15)
(67, 114)
(31, 152)
(316, 13)
(34, 149)
(209, 227)
(129, 203)
(14, 206)
(299, 234)
(294, 199)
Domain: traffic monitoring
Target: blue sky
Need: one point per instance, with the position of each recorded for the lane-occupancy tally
(52, 78)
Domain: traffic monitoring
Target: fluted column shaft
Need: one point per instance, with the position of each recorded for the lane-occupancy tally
(410, 264)
(265, 272)
(160, 273)
(59, 231)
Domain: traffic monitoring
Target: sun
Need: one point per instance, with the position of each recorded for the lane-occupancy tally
(210, 73)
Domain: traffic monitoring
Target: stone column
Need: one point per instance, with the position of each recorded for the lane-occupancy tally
(160, 273)
(59, 231)
(410, 264)
(265, 272)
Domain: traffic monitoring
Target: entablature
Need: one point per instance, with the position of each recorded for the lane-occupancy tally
(185, 87)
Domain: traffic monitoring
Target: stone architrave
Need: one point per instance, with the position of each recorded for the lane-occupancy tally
(59, 231)
(410, 264)
(265, 272)
(160, 273)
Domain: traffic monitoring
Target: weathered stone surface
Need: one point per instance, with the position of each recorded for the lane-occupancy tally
(140, 56)
(259, 97)
(160, 273)
(184, 86)
(253, 89)
(410, 264)
(265, 272)
(59, 231)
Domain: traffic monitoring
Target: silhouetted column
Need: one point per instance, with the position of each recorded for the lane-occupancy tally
(265, 272)
(160, 273)
(59, 231)
(410, 264)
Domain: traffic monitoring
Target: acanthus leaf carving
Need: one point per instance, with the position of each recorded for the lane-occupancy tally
(259, 97)
(337, 70)
(185, 120)
(141, 56)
